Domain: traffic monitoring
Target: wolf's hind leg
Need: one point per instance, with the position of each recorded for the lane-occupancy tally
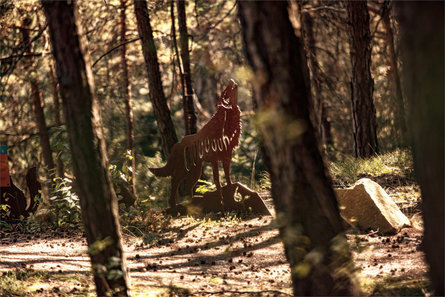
(175, 182)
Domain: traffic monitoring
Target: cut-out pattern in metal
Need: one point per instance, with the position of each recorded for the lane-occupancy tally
(213, 143)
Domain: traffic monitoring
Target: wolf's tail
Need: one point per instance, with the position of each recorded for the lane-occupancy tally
(163, 171)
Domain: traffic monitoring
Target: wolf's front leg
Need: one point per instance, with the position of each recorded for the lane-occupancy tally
(216, 180)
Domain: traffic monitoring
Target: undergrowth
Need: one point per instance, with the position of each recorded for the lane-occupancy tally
(350, 169)
(396, 286)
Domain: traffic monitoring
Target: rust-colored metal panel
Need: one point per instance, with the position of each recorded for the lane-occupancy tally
(214, 143)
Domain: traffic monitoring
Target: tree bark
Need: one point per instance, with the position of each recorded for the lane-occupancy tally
(157, 97)
(127, 97)
(362, 84)
(422, 41)
(324, 128)
(307, 211)
(82, 113)
(37, 104)
(59, 162)
(400, 121)
(189, 109)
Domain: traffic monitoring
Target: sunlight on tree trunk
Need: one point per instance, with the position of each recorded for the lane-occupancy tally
(82, 113)
(307, 212)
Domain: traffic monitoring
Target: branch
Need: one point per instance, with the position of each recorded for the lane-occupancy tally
(218, 22)
(336, 9)
(20, 55)
(382, 11)
(19, 134)
(114, 48)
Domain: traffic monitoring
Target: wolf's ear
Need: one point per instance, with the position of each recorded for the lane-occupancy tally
(234, 97)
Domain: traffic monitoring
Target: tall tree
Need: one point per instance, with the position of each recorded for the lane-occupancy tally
(307, 211)
(362, 85)
(127, 95)
(82, 113)
(422, 40)
(37, 102)
(58, 120)
(157, 96)
(400, 121)
(189, 109)
(320, 105)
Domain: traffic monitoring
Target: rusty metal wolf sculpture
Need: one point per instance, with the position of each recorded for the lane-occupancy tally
(214, 142)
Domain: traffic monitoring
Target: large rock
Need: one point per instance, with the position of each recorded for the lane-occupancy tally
(367, 206)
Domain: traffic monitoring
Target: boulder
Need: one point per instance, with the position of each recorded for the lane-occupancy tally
(367, 206)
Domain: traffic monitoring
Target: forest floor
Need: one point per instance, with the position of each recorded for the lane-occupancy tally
(225, 256)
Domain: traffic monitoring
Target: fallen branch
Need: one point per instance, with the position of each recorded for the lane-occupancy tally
(246, 292)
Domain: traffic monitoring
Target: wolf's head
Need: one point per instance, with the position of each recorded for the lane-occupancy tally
(229, 97)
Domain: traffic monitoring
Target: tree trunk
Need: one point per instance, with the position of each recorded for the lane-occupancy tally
(324, 129)
(59, 162)
(127, 98)
(362, 84)
(307, 212)
(422, 40)
(157, 97)
(400, 121)
(82, 113)
(37, 104)
(189, 109)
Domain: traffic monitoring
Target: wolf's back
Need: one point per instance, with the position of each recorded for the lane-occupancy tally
(162, 171)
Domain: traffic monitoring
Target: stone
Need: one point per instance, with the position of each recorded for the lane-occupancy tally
(236, 197)
(367, 206)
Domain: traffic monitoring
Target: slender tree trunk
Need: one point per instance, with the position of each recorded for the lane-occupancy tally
(37, 105)
(189, 109)
(59, 162)
(309, 220)
(175, 46)
(322, 122)
(362, 84)
(400, 121)
(157, 97)
(127, 97)
(82, 113)
(422, 40)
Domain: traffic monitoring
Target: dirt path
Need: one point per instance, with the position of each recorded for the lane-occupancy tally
(203, 258)
(200, 257)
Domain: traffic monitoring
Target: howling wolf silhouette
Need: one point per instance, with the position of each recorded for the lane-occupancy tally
(214, 142)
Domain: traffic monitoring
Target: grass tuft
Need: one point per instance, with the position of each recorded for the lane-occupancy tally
(351, 169)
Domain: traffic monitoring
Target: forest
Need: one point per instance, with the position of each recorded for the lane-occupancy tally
(222, 148)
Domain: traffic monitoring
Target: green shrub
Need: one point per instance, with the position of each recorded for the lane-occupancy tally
(63, 205)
